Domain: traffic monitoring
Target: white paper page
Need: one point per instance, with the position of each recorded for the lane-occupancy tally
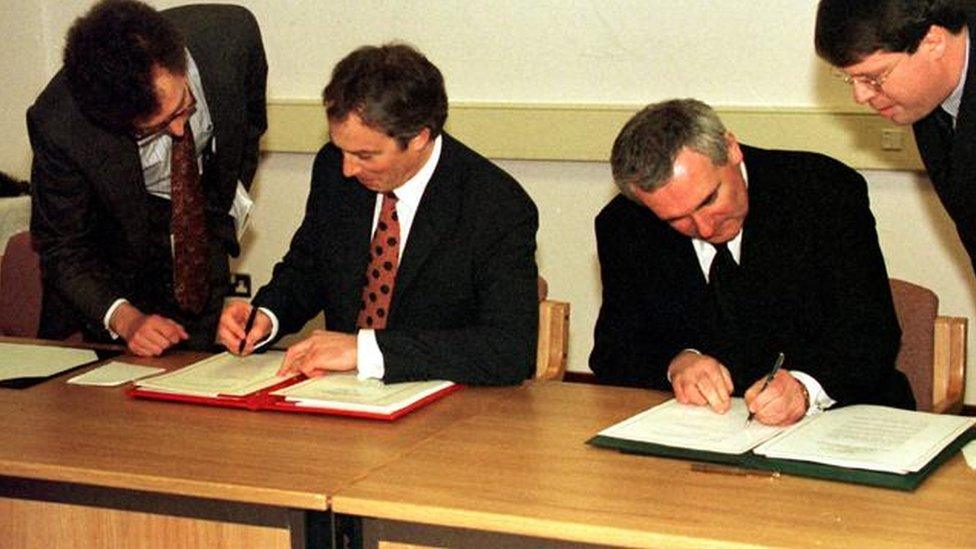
(345, 391)
(114, 374)
(695, 427)
(876, 438)
(223, 374)
(19, 360)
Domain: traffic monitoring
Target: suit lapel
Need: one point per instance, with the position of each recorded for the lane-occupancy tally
(764, 246)
(226, 143)
(354, 220)
(436, 215)
(122, 183)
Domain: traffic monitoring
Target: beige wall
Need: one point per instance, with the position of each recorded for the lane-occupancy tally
(754, 54)
(23, 71)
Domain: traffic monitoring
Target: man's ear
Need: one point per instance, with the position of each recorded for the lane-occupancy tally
(421, 140)
(734, 151)
(935, 42)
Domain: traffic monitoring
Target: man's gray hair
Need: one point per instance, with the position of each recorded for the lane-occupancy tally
(645, 150)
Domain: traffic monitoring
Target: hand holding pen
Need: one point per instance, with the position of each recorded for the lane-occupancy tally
(239, 323)
(247, 329)
(765, 383)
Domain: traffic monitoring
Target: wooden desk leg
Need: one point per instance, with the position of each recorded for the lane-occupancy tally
(348, 531)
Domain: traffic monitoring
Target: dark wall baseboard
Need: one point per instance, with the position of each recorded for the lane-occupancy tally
(580, 377)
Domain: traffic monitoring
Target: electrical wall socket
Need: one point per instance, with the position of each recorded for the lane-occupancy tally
(240, 285)
(892, 140)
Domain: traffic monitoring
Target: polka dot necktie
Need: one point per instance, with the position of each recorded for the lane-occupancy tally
(188, 226)
(384, 252)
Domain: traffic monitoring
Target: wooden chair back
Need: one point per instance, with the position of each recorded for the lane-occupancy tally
(553, 336)
(20, 288)
(933, 348)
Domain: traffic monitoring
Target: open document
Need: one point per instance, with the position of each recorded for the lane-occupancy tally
(878, 441)
(251, 382)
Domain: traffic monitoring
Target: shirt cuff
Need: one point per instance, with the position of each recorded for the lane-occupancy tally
(690, 350)
(108, 316)
(274, 328)
(819, 399)
(369, 358)
(240, 208)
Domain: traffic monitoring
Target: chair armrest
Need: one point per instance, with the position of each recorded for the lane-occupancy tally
(949, 368)
(553, 340)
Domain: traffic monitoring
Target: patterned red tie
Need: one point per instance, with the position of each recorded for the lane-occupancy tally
(384, 253)
(188, 225)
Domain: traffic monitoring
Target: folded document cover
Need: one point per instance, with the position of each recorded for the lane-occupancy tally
(864, 444)
(251, 382)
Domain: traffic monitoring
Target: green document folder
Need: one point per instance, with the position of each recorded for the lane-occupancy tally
(750, 460)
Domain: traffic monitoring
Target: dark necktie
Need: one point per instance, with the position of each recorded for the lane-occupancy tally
(188, 225)
(722, 281)
(384, 253)
(946, 123)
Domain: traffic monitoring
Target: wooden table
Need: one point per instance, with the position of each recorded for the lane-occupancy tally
(521, 467)
(162, 473)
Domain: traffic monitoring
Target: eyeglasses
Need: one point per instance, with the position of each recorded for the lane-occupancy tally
(145, 135)
(876, 83)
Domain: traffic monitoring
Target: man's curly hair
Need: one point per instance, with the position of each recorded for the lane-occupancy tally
(108, 60)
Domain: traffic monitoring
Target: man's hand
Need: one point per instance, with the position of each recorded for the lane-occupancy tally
(783, 402)
(321, 352)
(233, 320)
(146, 335)
(701, 380)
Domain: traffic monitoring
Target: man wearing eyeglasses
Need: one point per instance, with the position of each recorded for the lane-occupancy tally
(912, 61)
(144, 145)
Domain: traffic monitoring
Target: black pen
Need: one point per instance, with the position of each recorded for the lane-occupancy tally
(769, 377)
(247, 328)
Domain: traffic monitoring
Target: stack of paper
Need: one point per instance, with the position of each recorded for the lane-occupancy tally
(223, 374)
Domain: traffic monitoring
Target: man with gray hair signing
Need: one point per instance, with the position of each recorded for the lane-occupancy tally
(717, 257)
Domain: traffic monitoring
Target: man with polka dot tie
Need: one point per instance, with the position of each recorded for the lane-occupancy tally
(419, 252)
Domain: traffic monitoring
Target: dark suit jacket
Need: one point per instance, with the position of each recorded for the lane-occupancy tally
(950, 158)
(90, 205)
(465, 303)
(814, 287)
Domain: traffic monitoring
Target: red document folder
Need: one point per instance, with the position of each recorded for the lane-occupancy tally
(263, 399)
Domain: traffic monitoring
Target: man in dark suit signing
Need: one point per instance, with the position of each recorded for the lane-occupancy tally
(914, 62)
(717, 257)
(144, 145)
(420, 252)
